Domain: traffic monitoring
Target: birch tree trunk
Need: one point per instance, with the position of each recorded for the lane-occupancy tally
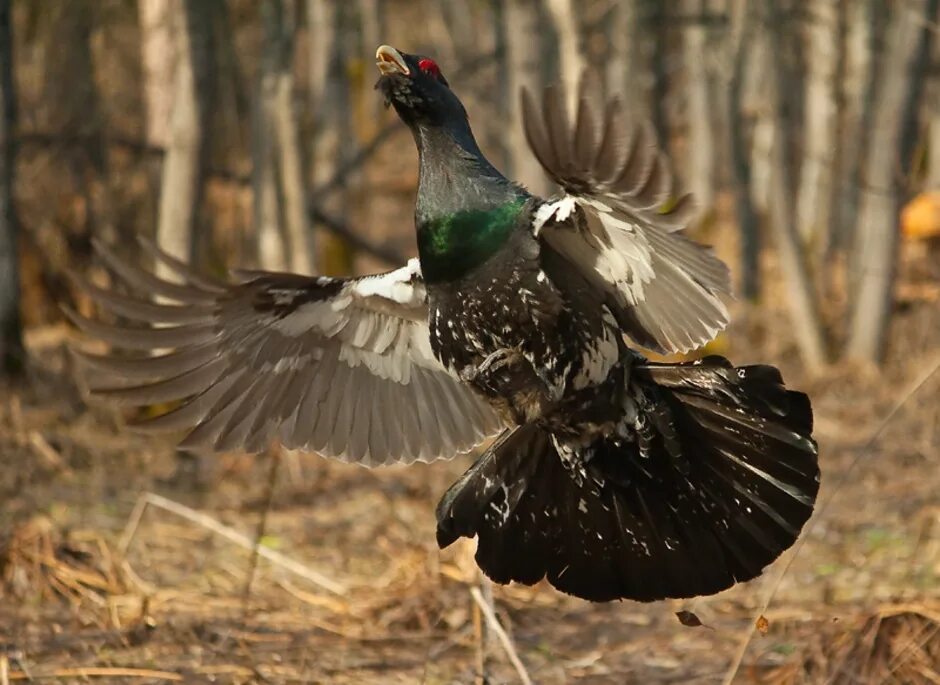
(803, 308)
(628, 73)
(656, 47)
(523, 54)
(180, 188)
(856, 100)
(11, 342)
(891, 142)
(755, 97)
(699, 112)
(932, 182)
(77, 110)
(158, 62)
(814, 197)
(742, 32)
(332, 139)
(570, 61)
(279, 36)
(266, 206)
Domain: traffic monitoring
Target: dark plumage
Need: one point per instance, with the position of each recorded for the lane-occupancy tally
(613, 477)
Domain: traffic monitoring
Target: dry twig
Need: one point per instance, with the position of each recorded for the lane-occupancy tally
(906, 396)
(230, 534)
(504, 640)
(98, 672)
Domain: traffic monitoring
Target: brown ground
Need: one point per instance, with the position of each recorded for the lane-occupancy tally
(859, 604)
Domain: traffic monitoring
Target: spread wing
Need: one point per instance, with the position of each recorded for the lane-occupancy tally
(613, 225)
(342, 367)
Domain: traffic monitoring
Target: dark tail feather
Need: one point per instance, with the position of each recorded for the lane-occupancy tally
(717, 482)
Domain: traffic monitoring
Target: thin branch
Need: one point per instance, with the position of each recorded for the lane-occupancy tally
(866, 451)
(504, 640)
(275, 456)
(233, 536)
(98, 672)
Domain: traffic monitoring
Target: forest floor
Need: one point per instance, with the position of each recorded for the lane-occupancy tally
(97, 587)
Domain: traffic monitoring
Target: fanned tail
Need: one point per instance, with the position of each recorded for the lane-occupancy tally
(715, 479)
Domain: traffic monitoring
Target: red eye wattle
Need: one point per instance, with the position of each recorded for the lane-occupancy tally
(428, 66)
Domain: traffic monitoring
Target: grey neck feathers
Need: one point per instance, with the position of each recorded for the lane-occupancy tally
(454, 175)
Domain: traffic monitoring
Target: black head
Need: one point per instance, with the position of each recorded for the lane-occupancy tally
(415, 87)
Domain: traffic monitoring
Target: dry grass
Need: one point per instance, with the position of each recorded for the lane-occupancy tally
(84, 597)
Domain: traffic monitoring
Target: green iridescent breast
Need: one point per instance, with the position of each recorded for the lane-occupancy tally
(452, 245)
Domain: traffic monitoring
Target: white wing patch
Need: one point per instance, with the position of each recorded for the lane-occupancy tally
(600, 355)
(343, 367)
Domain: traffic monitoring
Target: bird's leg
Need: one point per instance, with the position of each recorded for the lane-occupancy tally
(493, 362)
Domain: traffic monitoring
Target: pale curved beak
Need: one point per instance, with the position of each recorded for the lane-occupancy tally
(390, 61)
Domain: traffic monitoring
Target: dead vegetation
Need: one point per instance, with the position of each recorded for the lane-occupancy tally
(115, 567)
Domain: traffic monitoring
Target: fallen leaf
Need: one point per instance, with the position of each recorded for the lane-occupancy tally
(762, 624)
(687, 618)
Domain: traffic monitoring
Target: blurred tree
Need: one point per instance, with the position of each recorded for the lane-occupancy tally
(11, 345)
(743, 25)
(280, 25)
(76, 112)
(523, 70)
(570, 61)
(457, 20)
(182, 177)
(803, 306)
(628, 71)
(158, 66)
(655, 32)
(932, 182)
(271, 248)
(857, 43)
(891, 143)
(699, 112)
(372, 28)
(814, 195)
(158, 62)
(755, 101)
(327, 22)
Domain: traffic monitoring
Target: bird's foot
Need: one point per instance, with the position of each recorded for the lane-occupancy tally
(493, 362)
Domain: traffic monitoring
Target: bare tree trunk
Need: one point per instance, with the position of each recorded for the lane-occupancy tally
(857, 80)
(655, 33)
(158, 51)
(279, 26)
(755, 96)
(11, 342)
(371, 15)
(272, 250)
(523, 61)
(742, 32)
(180, 189)
(628, 72)
(699, 113)
(332, 139)
(932, 182)
(77, 110)
(457, 22)
(570, 62)
(267, 218)
(813, 200)
(891, 143)
(158, 61)
(803, 305)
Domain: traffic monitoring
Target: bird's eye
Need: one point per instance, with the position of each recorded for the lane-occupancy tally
(429, 66)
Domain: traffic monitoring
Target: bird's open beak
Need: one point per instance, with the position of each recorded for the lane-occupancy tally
(390, 61)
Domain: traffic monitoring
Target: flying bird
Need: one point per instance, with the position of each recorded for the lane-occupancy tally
(611, 476)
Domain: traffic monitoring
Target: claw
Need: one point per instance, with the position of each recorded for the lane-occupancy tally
(493, 362)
